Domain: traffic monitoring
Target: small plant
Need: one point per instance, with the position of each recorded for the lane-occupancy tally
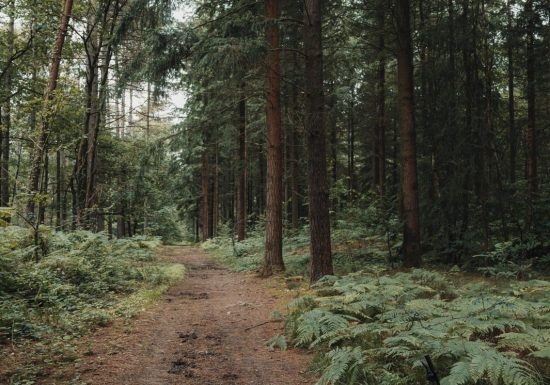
(276, 342)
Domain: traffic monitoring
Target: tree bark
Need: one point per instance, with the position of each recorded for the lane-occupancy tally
(411, 236)
(293, 158)
(59, 186)
(273, 258)
(531, 128)
(204, 184)
(351, 148)
(216, 192)
(6, 118)
(511, 97)
(319, 220)
(379, 170)
(242, 166)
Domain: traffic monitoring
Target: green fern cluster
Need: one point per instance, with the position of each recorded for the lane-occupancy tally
(372, 328)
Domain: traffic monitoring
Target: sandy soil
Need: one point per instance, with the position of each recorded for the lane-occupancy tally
(208, 330)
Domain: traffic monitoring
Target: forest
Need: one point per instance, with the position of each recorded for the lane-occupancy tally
(380, 167)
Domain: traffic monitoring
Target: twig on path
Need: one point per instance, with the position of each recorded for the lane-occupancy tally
(261, 324)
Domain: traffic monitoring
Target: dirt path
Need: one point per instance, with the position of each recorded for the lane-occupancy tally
(198, 335)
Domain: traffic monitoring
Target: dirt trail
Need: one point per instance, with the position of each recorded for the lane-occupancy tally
(198, 335)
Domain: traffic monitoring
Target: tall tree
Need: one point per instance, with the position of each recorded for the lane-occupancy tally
(318, 191)
(240, 221)
(409, 179)
(531, 129)
(273, 259)
(6, 122)
(379, 142)
(41, 143)
(512, 136)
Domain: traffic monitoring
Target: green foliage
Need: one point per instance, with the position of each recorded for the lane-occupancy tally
(166, 225)
(75, 287)
(276, 342)
(371, 327)
(518, 259)
(85, 282)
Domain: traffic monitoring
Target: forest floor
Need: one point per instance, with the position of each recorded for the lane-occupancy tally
(209, 329)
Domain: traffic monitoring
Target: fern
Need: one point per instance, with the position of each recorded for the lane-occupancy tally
(345, 366)
(494, 367)
(313, 324)
(376, 328)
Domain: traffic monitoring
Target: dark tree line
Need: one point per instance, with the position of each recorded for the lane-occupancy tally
(297, 114)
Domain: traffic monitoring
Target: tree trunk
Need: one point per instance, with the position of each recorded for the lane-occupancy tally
(531, 129)
(511, 97)
(242, 165)
(42, 142)
(204, 184)
(44, 188)
(319, 220)
(351, 148)
(411, 236)
(293, 158)
(59, 186)
(380, 126)
(273, 258)
(216, 192)
(6, 121)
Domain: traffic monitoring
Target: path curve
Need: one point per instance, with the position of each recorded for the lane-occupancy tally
(198, 335)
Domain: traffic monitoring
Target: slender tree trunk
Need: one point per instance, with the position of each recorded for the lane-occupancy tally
(17, 171)
(122, 111)
(6, 122)
(102, 93)
(380, 126)
(273, 258)
(411, 236)
(44, 188)
(319, 219)
(92, 45)
(242, 166)
(204, 184)
(511, 97)
(531, 129)
(42, 142)
(351, 148)
(65, 190)
(332, 124)
(130, 125)
(484, 134)
(110, 227)
(293, 158)
(216, 193)
(58, 190)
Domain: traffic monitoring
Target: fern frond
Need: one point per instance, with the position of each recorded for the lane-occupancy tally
(493, 367)
(345, 366)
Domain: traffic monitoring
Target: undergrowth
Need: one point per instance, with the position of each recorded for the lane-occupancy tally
(84, 282)
(483, 322)
(374, 328)
(353, 248)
